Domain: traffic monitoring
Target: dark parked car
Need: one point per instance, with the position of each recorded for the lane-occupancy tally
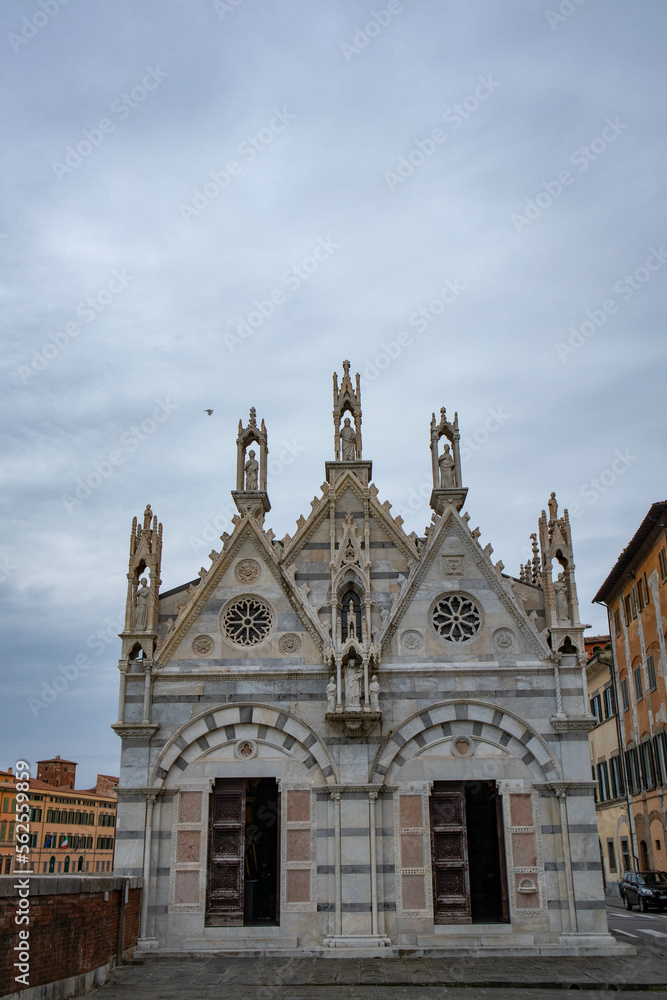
(644, 889)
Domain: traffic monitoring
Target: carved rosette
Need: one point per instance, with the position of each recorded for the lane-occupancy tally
(290, 643)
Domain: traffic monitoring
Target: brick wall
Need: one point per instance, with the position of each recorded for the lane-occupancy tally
(73, 928)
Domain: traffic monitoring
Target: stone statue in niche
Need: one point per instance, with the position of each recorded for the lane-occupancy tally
(251, 469)
(141, 606)
(552, 504)
(348, 439)
(446, 465)
(351, 621)
(374, 693)
(353, 675)
(560, 589)
(331, 695)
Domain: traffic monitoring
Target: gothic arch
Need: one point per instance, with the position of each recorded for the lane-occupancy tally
(255, 721)
(479, 719)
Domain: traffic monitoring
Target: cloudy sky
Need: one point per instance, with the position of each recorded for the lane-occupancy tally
(212, 204)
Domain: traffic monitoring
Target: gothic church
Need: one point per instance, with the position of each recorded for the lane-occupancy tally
(356, 741)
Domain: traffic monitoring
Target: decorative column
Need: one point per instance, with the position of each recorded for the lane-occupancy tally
(151, 796)
(372, 799)
(123, 666)
(569, 879)
(148, 684)
(335, 798)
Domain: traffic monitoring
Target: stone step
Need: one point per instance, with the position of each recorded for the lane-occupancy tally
(241, 944)
(481, 941)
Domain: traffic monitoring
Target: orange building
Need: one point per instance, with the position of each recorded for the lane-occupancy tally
(71, 830)
(635, 595)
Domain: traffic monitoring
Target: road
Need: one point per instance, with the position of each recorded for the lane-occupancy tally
(647, 932)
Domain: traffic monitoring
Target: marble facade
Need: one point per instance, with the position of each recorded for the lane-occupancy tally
(480, 687)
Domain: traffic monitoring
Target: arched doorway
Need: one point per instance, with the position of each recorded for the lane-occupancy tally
(644, 862)
(80, 865)
(66, 868)
(52, 864)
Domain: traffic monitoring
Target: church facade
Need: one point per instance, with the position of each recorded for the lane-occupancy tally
(357, 741)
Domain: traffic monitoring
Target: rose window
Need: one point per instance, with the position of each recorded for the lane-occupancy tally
(456, 618)
(247, 621)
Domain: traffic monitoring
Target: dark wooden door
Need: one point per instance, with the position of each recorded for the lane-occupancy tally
(224, 889)
(449, 854)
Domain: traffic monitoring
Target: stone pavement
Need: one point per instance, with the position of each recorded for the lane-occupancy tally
(271, 978)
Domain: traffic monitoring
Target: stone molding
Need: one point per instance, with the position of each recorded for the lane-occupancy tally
(184, 744)
(131, 731)
(471, 710)
(573, 723)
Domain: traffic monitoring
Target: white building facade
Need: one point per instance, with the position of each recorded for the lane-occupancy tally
(355, 740)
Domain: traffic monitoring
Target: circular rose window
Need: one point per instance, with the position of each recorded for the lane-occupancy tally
(247, 621)
(456, 618)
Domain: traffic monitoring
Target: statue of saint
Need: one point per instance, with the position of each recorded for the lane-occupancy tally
(552, 504)
(446, 466)
(374, 693)
(331, 695)
(353, 674)
(560, 588)
(141, 606)
(348, 439)
(351, 621)
(251, 471)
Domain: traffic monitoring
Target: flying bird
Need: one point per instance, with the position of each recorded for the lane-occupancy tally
(209, 412)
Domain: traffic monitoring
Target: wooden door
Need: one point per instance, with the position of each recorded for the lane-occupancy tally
(224, 888)
(449, 854)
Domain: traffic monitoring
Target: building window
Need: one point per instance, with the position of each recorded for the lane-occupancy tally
(617, 622)
(642, 592)
(652, 685)
(630, 607)
(662, 563)
(625, 695)
(611, 852)
(647, 766)
(596, 708)
(615, 777)
(632, 771)
(625, 851)
(660, 748)
(637, 674)
(603, 781)
(609, 706)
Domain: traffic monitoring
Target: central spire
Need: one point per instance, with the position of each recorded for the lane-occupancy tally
(347, 438)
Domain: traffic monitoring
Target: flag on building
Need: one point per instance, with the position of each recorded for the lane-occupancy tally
(64, 844)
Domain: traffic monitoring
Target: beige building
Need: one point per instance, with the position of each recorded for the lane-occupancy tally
(72, 831)
(635, 595)
(614, 830)
(356, 739)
